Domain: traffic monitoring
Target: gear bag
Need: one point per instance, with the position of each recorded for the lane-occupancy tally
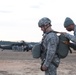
(36, 50)
(62, 48)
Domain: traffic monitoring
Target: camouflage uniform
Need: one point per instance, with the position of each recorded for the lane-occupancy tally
(48, 56)
(71, 37)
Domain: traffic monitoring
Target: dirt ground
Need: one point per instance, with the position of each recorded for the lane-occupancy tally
(22, 63)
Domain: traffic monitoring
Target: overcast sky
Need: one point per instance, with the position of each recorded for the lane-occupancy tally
(19, 18)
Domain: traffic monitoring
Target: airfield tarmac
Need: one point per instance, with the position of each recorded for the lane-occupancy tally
(22, 63)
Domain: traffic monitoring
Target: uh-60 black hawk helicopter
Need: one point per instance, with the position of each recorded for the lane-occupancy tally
(20, 46)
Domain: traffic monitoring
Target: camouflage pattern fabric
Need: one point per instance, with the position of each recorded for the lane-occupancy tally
(48, 55)
(71, 37)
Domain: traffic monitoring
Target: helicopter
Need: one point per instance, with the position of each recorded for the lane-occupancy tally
(19, 46)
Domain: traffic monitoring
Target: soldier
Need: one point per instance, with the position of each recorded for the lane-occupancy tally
(49, 58)
(70, 26)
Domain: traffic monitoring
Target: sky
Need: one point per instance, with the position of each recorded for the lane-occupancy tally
(19, 18)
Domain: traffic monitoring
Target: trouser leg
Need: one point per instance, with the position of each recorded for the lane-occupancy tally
(52, 70)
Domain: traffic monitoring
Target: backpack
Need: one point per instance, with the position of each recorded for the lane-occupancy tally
(62, 48)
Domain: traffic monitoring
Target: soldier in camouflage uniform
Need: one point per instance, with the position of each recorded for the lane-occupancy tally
(49, 58)
(70, 26)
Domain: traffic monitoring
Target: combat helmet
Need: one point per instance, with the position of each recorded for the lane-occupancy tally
(44, 21)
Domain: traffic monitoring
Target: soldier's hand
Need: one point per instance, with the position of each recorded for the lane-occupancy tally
(43, 68)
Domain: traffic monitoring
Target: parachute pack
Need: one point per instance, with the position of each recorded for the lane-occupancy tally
(62, 48)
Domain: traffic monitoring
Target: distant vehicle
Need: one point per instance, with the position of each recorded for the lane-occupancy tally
(21, 46)
(9, 47)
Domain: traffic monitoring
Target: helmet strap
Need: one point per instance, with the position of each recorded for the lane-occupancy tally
(46, 27)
